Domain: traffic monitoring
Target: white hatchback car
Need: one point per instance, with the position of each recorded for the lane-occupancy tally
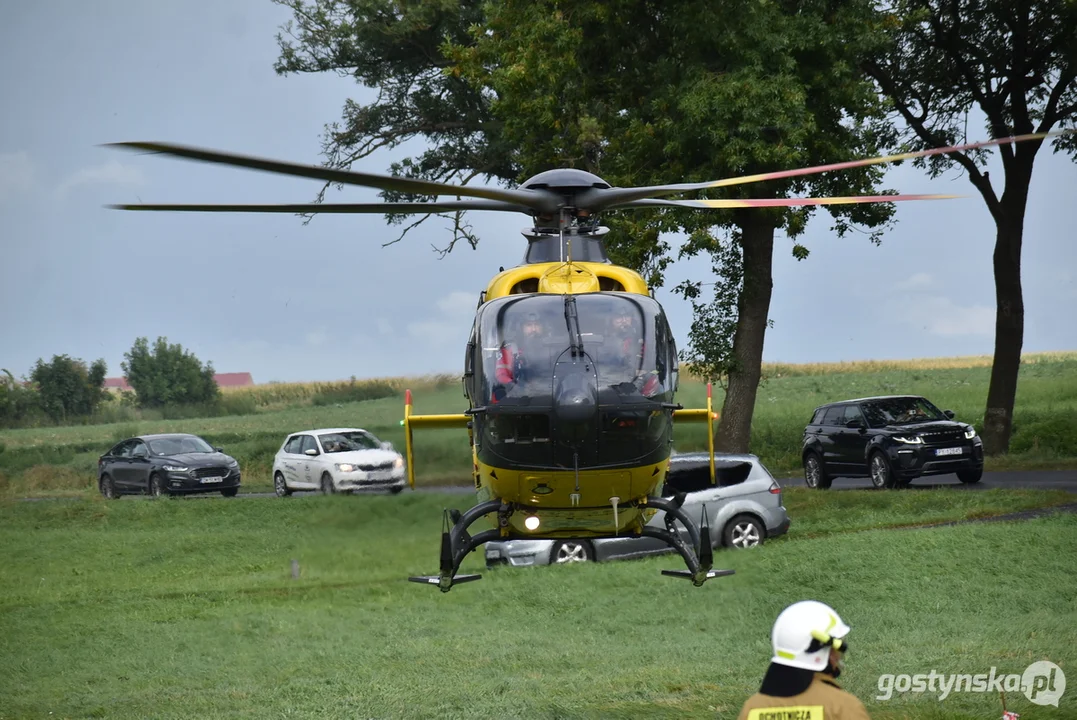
(337, 460)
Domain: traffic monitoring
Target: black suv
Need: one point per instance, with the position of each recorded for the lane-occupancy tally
(893, 440)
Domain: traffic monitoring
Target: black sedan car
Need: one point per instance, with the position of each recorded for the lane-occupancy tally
(171, 464)
(892, 440)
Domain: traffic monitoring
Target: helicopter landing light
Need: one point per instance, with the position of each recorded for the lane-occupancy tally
(542, 489)
(531, 522)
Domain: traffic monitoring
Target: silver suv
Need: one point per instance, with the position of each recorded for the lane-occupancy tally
(743, 509)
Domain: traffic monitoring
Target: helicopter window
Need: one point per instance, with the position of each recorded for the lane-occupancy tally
(609, 284)
(521, 338)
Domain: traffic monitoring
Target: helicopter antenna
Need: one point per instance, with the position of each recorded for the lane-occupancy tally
(561, 232)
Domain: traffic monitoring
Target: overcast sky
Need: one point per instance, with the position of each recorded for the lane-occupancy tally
(289, 302)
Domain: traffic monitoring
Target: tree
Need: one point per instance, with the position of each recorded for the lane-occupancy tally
(17, 402)
(1016, 63)
(67, 388)
(639, 92)
(168, 374)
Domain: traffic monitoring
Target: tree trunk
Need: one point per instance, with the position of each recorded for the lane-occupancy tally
(1010, 308)
(757, 241)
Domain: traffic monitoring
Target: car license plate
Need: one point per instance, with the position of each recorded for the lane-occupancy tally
(950, 451)
(208, 480)
(375, 476)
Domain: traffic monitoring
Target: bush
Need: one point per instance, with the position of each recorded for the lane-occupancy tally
(67, 388)
(168, 375)
(1056, 434)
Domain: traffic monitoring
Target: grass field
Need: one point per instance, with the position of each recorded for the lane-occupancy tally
(61, 460)
(187, 608)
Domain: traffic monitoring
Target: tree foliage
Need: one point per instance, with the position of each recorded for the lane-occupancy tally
(638, 91)
(18, 403)
(67, 388)
(942, 62)
(166, 374)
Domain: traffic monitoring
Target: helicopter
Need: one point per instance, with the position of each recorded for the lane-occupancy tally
(571, 425)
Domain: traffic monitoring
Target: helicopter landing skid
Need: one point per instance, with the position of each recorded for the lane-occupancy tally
(699, 566)
(456, 543)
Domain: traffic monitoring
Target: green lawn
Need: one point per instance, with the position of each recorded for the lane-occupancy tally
(187, 608)
(61, 460)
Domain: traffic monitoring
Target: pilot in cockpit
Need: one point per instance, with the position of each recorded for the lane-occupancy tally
(623, 359)
(520, 355)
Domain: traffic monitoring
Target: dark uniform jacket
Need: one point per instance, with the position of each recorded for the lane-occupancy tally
(821, 699)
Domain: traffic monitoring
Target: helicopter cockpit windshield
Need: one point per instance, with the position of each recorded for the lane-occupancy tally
(569, 379)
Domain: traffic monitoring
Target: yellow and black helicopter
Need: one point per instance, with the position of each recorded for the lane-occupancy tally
(570, 368)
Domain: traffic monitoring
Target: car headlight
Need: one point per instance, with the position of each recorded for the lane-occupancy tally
(909, 439)
(398, 463)
(175, 468)
(970, 433)
(346, 467)
(233, 463)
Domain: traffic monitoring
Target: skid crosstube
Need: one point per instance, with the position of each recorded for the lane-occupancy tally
(456, 542)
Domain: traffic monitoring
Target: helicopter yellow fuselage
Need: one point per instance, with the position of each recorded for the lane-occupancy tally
(592, 502)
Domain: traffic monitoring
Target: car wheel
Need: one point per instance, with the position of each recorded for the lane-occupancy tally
(157, 486)
(108, 488)
(281, 487)
(743, 531)
(970, 476)
(882, 475)
(396, 490)
(571, 551)
(815, 474)
(327, 484)
(230, 492)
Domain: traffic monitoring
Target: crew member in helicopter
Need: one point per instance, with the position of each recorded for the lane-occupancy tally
(625, 353)
(517, 360)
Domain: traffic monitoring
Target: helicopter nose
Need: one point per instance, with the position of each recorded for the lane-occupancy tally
(575, 403)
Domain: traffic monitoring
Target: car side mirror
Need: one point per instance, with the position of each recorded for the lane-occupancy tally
(854, 424)
(219, 449)
(386, 446)
(948, 413)
(312, 452)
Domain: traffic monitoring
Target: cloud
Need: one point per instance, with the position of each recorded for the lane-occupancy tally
(16, 173)
(917, 280)
(942, 316)
(458, 304)
(316, 337)
(448, 327)
(111, 173)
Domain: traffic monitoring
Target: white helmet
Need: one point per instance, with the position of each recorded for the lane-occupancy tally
(804, 633)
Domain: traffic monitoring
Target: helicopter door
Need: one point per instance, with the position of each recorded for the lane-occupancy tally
(575, 409)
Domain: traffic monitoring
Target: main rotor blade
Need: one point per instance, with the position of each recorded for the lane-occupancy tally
(339, 208)
(529, 198)
(600, 199)
(776, 202)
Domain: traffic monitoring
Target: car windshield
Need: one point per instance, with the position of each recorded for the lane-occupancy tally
(180, 445)
(348, 441)
(900, 411)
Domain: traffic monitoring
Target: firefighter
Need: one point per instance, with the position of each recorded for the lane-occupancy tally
(809, 643)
